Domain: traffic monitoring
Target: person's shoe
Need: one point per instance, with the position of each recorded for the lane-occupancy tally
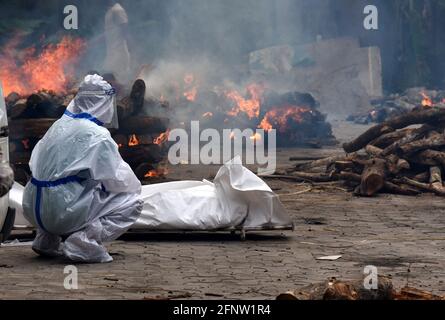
(79, 248)
(48, 253)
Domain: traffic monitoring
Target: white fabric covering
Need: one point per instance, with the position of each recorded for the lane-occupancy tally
(236, 198)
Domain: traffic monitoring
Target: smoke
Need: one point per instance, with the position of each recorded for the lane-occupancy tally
(210, 38)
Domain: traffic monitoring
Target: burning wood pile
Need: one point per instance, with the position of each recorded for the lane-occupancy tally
(297, 120)
(294, 115)
(393, 157)
(140, 137)
(398, 104)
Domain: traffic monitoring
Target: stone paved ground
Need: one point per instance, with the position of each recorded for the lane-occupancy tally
(403, 236)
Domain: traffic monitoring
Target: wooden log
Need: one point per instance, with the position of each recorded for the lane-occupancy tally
(40, 104)
(17, 109)
(388, 186)
(147, 138)
(334, 289)
(141, 170)
(387, 139)
(393, 163)
(373, 177)
(319, 163)
(409, 137)
(66, 100)
(409, 293)
(422, 144)
(347, 176)
(12, 98)
(321, 177)
(393, 188)
(314, 177)
(431, 115)
(344, 166)
(422, 177)
(139, 154)
(124, 109)
(124, 139)
(305, 158)
(366, 138)
(423, 186)
(430, 158)
(435, 175)
(301, 177)
(120, 139)
(143, 125)
(436, 179)
(134, 103)
(26, 128)
(137, 96)
(400, 164)
(373, 150)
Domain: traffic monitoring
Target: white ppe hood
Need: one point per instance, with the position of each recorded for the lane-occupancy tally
(97, 98)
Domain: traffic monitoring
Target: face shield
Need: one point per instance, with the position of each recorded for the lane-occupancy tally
(100, 104)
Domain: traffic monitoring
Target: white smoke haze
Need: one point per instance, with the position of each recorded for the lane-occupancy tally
(210, 39)
(168, 77)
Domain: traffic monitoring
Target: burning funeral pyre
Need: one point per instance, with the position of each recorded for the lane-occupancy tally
(294, 115)
(39, 84)
(140, 138)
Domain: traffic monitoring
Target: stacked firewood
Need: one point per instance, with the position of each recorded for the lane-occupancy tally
(30, 117)
(404, 155)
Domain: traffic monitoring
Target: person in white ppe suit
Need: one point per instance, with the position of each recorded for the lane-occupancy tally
(81, 188)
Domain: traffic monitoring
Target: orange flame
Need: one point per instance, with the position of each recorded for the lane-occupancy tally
(30, 72)
(159, 172)
(190, 95)
(279, 117)
(162, 137)
(256, 137)
(191, 91)
(134, 141)
(249, 106)
(426, 102)
(207, 115)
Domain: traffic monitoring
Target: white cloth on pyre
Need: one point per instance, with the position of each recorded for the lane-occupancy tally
(236, 198)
